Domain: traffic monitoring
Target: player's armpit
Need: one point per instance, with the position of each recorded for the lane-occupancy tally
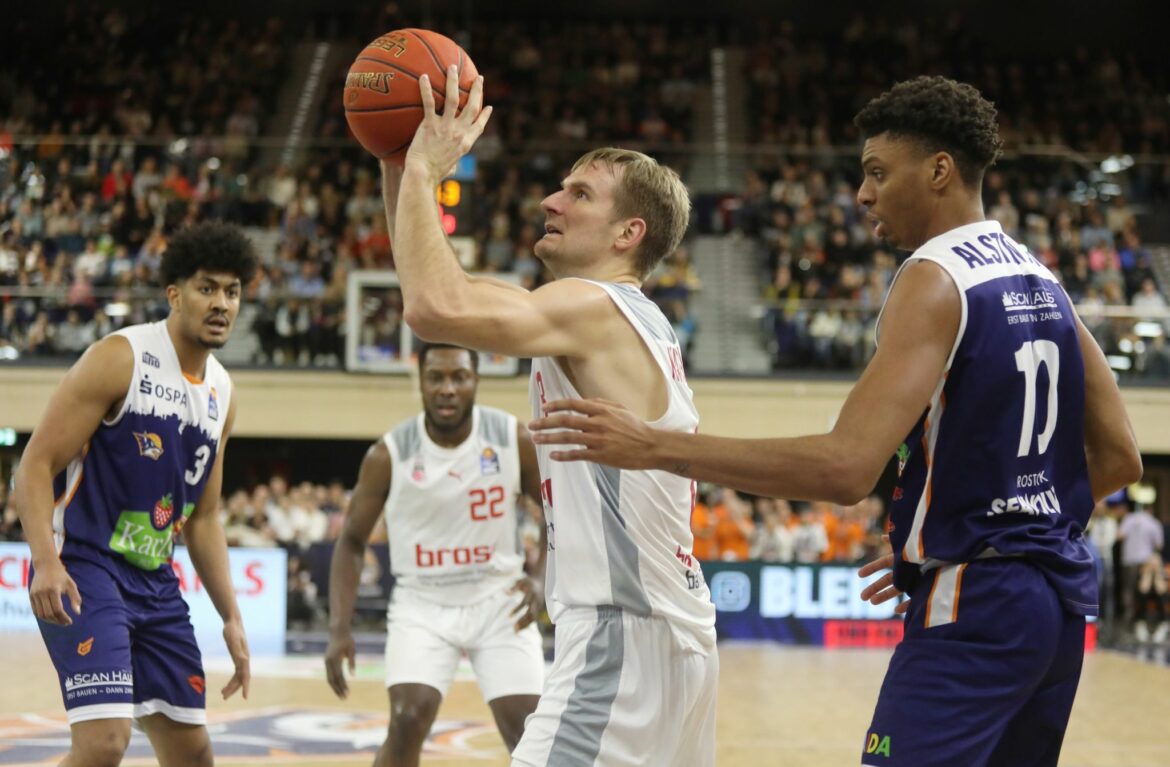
(565, 318)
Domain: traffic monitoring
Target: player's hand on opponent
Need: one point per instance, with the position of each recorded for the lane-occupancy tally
(49, 584)
(341, 647)
(606, 432)
(237, 645)
(530, 607)
(883, 589)
(442, 139)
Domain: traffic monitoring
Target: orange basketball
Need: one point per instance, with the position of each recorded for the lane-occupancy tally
(382, 103)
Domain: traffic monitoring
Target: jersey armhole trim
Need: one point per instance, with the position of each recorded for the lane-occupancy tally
(129, 388)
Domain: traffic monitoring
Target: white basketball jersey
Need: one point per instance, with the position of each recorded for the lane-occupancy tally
(451, 512)
(623, 538)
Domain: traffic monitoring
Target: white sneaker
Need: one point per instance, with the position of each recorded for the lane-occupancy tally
(1161, 632)
(1141, 631)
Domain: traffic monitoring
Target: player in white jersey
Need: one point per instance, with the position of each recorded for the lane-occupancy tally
(635, 669)
(131, 446)
(448, 481)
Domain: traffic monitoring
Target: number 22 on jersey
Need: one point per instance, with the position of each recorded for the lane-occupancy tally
(486, 504)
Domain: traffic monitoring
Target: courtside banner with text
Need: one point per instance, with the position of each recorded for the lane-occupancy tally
(260, 577)
(798, 604)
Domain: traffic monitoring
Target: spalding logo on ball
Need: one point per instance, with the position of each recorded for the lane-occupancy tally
(382, 103)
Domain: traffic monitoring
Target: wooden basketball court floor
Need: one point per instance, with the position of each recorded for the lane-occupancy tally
(799, 707)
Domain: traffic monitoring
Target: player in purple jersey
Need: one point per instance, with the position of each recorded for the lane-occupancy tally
(1007, 424)
(134, 439)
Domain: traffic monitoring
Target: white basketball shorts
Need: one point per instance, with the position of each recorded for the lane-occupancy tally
(622, 691)
(425, 641)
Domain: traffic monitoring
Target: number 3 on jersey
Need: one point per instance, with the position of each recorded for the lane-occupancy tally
(1029, 358)
(195, 474)
(492, 498)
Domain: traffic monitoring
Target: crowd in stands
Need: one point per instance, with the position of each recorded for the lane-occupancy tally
(153, 127)
(1086, 97)
(825, 275)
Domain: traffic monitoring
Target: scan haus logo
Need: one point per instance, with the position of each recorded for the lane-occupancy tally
(300, 736)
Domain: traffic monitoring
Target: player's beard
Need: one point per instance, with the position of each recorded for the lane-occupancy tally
(448, 426)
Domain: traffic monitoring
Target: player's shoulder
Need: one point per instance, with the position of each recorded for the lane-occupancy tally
(496, 426)
(405, 438)
(109, 356)
(573, 296)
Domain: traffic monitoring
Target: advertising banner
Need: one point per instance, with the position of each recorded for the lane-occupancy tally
(259, 575)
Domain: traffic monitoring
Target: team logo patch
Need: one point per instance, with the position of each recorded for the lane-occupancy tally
(286, 736)
(164, 510)
(83, 648)
(419, 472)
(903, 457)
(197, 683)
(489, 462)
(149, 445)
(150, 359)
(213, 406)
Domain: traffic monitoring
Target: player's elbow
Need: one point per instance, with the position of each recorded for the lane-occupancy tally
(1129, 468)
(427, 319)
(849, 491)
(849, 483)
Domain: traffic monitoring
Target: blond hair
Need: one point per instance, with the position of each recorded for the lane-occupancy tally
(651, 192)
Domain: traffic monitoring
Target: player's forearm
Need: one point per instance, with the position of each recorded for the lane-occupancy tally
(33, 498)
(207, 545)
(806, 468)
(430, 276)
(344, 577)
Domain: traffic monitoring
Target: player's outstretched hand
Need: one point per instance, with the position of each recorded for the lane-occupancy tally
(50, 584)
(883, 589)
(341, 647)
(605, 431)
(442, 139)
(530, 607)
(237, 645)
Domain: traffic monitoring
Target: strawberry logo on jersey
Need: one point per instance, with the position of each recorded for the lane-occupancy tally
(164, 510)
(419, 473)
(149, 445)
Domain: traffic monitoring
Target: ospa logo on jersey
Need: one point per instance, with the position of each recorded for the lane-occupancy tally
(149, 444)
(162, 391)
(489, 462)
(296, 736)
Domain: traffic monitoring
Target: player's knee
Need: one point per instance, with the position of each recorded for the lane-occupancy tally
(200, 756)
(102, 747)
(411, 721)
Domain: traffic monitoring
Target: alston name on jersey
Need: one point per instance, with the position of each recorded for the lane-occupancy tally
(998, 250)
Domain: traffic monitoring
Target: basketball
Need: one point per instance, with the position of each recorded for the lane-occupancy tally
(382, 103)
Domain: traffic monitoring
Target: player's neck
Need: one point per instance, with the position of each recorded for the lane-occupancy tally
(597, 273)
(948, 217)
(453, 438)
(192, 357)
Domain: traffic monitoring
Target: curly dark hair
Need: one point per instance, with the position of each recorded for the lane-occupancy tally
(426, 346)
(941, 114)
(213, 246)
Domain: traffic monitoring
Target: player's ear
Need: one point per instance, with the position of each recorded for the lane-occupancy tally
(633, 230)
(943, 170)
(173, 296)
